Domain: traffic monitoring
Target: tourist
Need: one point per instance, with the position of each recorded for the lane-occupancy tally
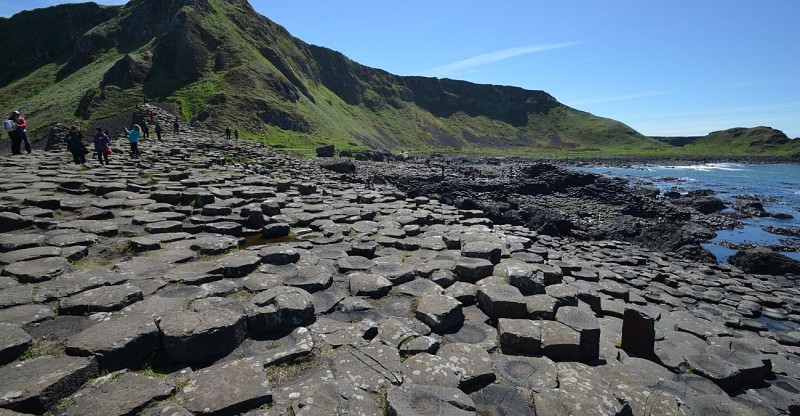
(102, 145)
(228, 133)
(133, 137)
(19, 134)
(236, 134)
(145, 130)
(158, 131)
(75, 145)
(176, 127)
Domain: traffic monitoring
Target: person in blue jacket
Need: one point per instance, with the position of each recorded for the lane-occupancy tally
(133, 137)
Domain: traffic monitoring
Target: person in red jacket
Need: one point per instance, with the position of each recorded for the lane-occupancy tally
(19, 134)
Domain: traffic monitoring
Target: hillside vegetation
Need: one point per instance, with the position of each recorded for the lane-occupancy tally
(223, 64)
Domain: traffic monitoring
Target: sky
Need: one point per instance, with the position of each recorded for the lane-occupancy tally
(665, 68)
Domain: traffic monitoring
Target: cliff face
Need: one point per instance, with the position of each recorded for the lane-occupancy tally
(219, 59)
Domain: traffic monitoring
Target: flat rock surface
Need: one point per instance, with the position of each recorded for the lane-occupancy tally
(271, 285)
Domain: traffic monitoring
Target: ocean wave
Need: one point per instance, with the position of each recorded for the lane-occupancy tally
(707, 167)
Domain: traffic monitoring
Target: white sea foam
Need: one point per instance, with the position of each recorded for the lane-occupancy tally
(707, 167)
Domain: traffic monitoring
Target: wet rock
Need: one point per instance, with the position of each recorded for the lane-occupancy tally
(708, 205)
(117, 394)
(226, 388)
(33, 386)
(765, 262)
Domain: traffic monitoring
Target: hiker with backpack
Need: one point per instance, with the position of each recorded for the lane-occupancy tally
(102, 146)
(75, 145)
(16, 126)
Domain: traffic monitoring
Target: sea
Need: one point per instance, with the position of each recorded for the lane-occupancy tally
(777, 185)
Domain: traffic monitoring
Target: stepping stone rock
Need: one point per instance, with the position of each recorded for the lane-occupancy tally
(11, 242)
(566, 295)
(369, 285)
(29, 254)
(638, 333)
(441, 313)
(279, 255)
(497, 399)
(470, 270)
(239, 264)
(116, 394)
(226, 388)
(371, 368)
(281, 308)
(195, 273)
(124, 342)
(101, 299)
(10, 221)
(535, 373)
(164, 227)
(519, 335)
(430, 370)
(729, 369)
(26, 314)
(212, 246)
(295, 345)
(420, 287)
(33, 386)
(225, 228)
(275, 230)
(502, 301)
(338, 333)
(416, 400)
(14, 341)
(541, 307)
(39, 270)
(482, 250)
(198, 337)
(354, 263)
(585, 323)
(472, 362)
(310, 278)
(166, 409)
(559, 342)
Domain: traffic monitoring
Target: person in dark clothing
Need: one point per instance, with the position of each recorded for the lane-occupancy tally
(236, 134)
(158, 131)
(228, 133)
(101, 142)
(75, 145)
(20, 134)
(145, 130)
(175, 126)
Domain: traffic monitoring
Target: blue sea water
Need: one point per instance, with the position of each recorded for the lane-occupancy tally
(778, 185)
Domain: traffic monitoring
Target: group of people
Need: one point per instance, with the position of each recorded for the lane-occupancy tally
(228, 133)
(76, 146)
(17, 129)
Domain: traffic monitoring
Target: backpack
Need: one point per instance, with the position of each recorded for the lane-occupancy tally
(9, 125)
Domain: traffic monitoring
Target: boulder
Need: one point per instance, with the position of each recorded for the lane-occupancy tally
(638, 333)
(763, 261)
(585, 323)
(326, 151)
(708, 205)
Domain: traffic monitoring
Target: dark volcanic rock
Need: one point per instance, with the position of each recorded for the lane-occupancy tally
(765, 262)
(34, 385)
(116, 394)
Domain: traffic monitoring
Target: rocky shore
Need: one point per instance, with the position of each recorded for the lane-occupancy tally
(216, 278)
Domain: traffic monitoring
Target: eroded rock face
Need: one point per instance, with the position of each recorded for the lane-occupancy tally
(246, 292)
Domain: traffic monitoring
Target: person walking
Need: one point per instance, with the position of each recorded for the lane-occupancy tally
(236, 134)
(158, 131)
(176, 127)
(145, 129)
(102, 146)
(19, 134)
(228, 133)
(75, 145)
(133, 137)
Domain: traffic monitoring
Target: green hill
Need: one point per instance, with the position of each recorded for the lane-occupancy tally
(759, 141)
(222, 63)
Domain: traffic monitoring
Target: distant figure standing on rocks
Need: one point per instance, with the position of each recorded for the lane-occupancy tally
(18, 133)
(176, 127)
(158, 131)
(133, 137)
(75, 145)
(228, 133)
(101, 143)
(236, 134)
(145, 130)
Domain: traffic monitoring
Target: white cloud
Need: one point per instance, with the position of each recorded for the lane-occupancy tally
(470, 64)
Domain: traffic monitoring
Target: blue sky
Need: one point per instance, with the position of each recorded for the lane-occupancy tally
(664, 68)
